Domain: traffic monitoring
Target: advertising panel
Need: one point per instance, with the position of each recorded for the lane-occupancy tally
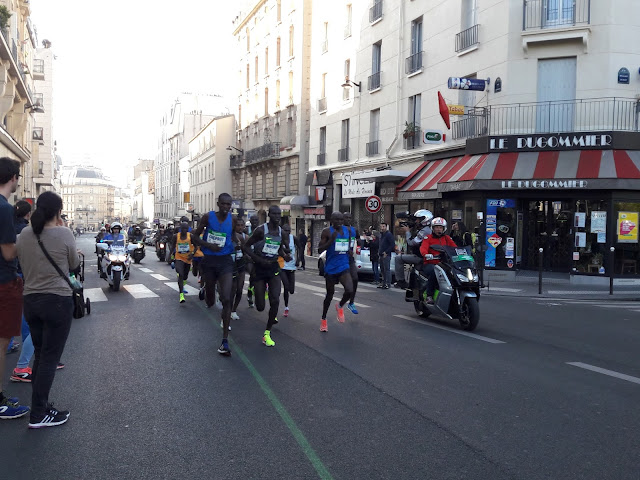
(627, 227)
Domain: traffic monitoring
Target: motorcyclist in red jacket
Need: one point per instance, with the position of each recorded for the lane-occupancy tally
(437, 237)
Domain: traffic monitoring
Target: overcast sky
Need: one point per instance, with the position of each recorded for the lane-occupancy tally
(121, 63)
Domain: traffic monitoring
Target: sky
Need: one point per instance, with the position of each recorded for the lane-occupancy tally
(120, 64)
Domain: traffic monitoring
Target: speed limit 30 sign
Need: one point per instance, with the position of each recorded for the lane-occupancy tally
(373, 204)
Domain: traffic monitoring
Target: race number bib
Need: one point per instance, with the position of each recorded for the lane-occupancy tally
(342, 245)
(270, 248)
(183, 248)
(217, 238)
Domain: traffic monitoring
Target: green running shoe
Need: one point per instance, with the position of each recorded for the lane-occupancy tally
(266, 339)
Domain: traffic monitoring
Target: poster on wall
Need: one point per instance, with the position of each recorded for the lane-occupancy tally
(598, 222)
(495, 238)
(511, 243)
(581, 239)
(579, 219)
(627, 227)
(456, 215)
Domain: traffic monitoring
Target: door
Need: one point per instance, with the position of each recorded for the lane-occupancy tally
(556, 95)
(549, 226)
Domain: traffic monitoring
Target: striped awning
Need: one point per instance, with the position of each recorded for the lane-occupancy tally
(592, 169)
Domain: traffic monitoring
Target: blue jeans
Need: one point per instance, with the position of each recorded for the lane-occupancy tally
(385, 264)
(376, 270)
(27, 346)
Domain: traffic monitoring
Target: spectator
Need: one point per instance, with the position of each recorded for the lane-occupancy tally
(461, 235)
(387, 246)
(372, 241)
(47, 299)
(10, 282)
(301, 248)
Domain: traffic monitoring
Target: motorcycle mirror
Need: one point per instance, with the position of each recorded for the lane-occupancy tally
(102, 246)
(132, 247)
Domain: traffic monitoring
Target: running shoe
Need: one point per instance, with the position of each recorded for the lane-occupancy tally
(52, 418)
(340, 312)
(182, 299)
(250, 303)
(21, 375)
(266, 339)
(201, 293)
(14, 347)
(223, 349)
(323, 326)
(286, 311)
(222, 325)
(235, 316)
(9, 408)
(184, 284)
(386, 287)
(275, 320)
(352, 308)
(60, 366)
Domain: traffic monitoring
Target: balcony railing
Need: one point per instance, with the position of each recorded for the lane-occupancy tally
(325, 46)
(375, 12)
(264, 152)
(343, 154)
(538, 14)
(413, 138)
(347, 30)
(372, 148)
(584, 115)
(322, 104)
(374, 81)
(414, 63)
(467, 38)
(322, 158)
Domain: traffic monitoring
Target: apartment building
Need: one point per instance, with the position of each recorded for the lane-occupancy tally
(272, 39)
(143, 188)
(209, 172)
(88, 197)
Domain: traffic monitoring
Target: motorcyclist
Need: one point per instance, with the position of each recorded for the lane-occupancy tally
(431, 256)
(420, 230)
(137, 236)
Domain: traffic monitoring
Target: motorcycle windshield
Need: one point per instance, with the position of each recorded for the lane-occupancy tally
(118, 249)
(461, 257)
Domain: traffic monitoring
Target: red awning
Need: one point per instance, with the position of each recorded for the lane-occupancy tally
(594, 169)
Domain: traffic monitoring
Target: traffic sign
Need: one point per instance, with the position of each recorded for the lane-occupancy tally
(373, 204)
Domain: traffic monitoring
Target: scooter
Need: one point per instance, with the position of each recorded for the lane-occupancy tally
(458, 291)
(138, 253)
(161, 249)
(116, 266)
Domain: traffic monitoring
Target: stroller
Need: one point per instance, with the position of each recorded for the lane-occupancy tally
(84, 305)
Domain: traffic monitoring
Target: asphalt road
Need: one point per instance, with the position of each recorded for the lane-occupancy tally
(543, 389)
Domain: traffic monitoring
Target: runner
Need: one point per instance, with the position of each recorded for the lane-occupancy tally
(335, 240)
(266, 241)
(254, 221)
(288, 270)
(183, 256)
(353, 269)
(239, 239)
(217, 264)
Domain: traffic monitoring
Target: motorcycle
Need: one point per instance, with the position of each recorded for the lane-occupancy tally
(138, 253)
(458, 291)
(161, 249)
(117, 263)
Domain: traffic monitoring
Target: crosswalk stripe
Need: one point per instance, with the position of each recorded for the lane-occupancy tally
(137, 290)
(157, 276)
(95, 295)
(145, 270)
(190, 290)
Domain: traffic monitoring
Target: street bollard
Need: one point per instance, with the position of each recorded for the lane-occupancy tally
(611, 264)
(540, 250)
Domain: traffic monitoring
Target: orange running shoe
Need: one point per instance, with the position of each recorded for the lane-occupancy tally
(340, 313)
(323, 326)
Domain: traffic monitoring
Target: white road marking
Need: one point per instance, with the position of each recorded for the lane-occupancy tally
(157, 276)
(95, 295)
(459, 332)
(358, 305)
(146, 270)
(604, 371)
(577, 292)
(137, 290)
(190, 290)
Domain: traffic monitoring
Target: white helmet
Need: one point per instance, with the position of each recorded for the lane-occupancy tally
(247, 224)
(116, 225)
(425, 216)
(441, 222)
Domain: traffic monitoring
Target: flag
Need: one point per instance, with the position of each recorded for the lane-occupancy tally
(444, 111)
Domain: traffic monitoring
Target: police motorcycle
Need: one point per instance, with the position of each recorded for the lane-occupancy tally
(116, 262)
(458, 290)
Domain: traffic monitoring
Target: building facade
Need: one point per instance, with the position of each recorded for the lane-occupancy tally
(272, 40)
(143, 188)
(88, 198)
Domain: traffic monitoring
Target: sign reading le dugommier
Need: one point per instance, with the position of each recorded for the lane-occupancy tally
(551, 141)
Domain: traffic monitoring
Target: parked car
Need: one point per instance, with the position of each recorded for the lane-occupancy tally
(363, 263)
(149, 237)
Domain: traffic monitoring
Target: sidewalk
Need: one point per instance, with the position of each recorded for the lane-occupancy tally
(553, 286)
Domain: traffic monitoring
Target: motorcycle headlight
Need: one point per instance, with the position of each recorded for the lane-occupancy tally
(113, 257)
(462, 278)
(122, 258)
(162, 245)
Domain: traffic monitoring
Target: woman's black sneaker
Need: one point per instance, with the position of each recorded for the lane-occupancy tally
(52, 418)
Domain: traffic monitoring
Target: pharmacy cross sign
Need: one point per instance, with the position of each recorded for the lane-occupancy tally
(373, 204)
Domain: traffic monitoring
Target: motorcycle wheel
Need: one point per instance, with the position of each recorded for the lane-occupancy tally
(116, 281)
(87, 306)
(420, 310)
(136, 260)
(470, 314)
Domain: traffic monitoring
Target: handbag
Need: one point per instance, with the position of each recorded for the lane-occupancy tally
(77, 294)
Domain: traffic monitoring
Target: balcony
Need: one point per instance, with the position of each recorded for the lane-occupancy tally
(412, 138)
(375, 12)
(322, 105)
(343, 154)
(236, 161)
(543, 14)
(413, 63)
(373, 82)
(322, 158)
(584, 115)
(262, 153)
(325, 46)
(372, 148)
(9, 50)
(467, 38)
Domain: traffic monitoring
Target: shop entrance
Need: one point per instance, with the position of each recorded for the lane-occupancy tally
(548, 224)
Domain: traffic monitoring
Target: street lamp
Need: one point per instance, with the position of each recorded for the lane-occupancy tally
(237, 149)
(349, 83)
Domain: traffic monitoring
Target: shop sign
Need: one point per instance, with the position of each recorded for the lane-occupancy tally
(457, 83)
(541, 143)
(627, 227)
(494, 240)
(432, 136)
(354, 188)
(388, 193)
(314, 211)
(456, 109)
(543, 184)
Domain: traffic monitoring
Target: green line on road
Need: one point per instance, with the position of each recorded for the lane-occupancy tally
(286, 418)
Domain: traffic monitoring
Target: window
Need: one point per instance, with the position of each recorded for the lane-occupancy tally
(287, 179)
(412, 131)
(266, 101)
(279, 10)
(290, 88)
(266, 61)
(254, 182)
(256, 74)
(275, 182)
(325, 42)
(323, 140)
(239, 115)
(278, 52)
(248, 39)
(290, 133)
(291, 41)
(343, 153)
(374, 132)
(376, 64)
(347, 28)
(468, 21)
(323, 85)
(277, 94)
(264, 185)
(416, 36)
(248, 81)
(346, 91)
(469, 9)
(414, 109)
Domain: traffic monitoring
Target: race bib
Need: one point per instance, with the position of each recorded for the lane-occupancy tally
(270, 248)
(217, 238)
(342, 245)
(183, 248)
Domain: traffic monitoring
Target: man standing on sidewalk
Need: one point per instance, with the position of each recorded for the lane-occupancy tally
(301, 248)
(387, 246)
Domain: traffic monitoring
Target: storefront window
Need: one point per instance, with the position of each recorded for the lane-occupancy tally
(590, 236)
(625, 238)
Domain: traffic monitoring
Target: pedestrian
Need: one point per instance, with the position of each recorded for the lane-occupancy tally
(288, 269)
(239, 258)
(254, 222)
(302, 248)
(335, 240)
(11, 284)
(353, 269)
(184, 255)
(47, 251)
(264, 246)
(461, 235)
(373, 242)
(217, 265)
(387, 246)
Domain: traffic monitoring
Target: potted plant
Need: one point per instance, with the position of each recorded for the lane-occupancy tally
(5, 15)
(409, 129)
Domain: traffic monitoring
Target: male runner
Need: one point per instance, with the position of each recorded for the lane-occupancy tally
(239, 239)
(254, 222)
(288, 270)
(267, 244)
(335, 240)
(184, 254)
(217, 264)
(353, 269)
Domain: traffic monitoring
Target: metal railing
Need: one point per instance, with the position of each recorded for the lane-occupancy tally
(322, 104)
(264, 152)
(538, 14)
(583, 115)
(347, 30)
(467, 38)
(413, 138)
(325, 46)
(374, 81)
(343, 154)
(372, 148)
(322, 158)
(375, 12)
(413, 63)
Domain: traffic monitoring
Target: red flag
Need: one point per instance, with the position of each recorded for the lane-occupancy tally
(444, 111)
